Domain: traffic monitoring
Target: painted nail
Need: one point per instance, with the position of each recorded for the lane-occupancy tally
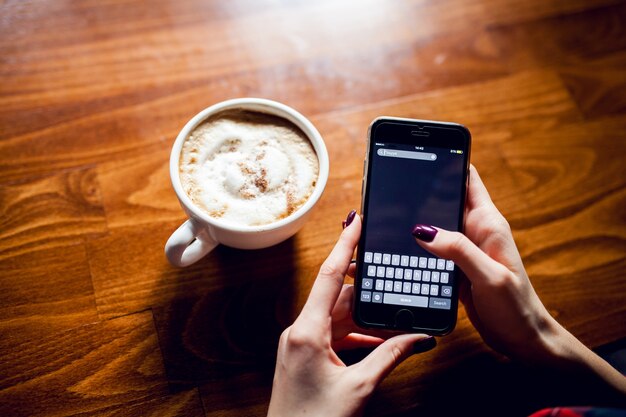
(424, 345)
(424, 232)
(349, 219)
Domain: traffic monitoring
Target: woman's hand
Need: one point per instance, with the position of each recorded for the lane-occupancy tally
(499, 298)
(310, 379)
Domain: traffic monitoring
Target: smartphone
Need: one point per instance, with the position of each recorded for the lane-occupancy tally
(415, 171)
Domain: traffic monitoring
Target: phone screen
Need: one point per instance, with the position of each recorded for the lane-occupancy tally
(410, 179)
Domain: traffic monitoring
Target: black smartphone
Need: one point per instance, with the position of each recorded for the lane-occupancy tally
(415, 171)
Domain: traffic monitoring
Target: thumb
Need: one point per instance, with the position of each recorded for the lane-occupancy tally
(391, 353)
(476, 264)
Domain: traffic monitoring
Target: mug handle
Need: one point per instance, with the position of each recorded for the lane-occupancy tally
(188, 244)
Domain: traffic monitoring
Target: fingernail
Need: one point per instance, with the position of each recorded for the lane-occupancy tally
(424, 345)
(424, 232)
(349, 219)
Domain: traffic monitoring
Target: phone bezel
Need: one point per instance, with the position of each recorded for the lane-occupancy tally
(438, 322)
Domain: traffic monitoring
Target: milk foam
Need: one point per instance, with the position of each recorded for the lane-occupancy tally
(248, 168)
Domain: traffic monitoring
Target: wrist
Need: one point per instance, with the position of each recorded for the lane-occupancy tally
(547, 346)
(561, 349)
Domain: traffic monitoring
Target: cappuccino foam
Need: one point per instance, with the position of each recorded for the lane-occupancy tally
(248, 167)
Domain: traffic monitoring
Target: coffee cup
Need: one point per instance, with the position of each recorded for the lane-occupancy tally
(208, 227)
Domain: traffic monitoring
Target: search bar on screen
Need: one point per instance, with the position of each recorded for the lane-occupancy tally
(394, 153)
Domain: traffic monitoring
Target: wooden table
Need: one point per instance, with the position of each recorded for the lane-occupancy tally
(94, 321)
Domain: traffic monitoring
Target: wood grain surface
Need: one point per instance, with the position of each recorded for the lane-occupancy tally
(94, 321)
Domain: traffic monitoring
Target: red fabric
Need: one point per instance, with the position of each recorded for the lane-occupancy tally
(559, 412)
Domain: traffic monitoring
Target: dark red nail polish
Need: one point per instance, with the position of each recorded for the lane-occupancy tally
(424, 232)
(424, 345)
(349, 219)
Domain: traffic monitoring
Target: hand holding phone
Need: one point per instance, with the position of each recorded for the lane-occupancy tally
(415, 171)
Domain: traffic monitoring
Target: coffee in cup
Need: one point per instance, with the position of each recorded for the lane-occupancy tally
(248, 168)
(247, 173)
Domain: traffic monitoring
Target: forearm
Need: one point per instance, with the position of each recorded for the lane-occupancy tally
(592, 373)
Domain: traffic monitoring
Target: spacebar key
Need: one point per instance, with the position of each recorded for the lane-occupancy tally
(406, 300)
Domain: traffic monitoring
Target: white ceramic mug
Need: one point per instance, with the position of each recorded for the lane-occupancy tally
(201, 233)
